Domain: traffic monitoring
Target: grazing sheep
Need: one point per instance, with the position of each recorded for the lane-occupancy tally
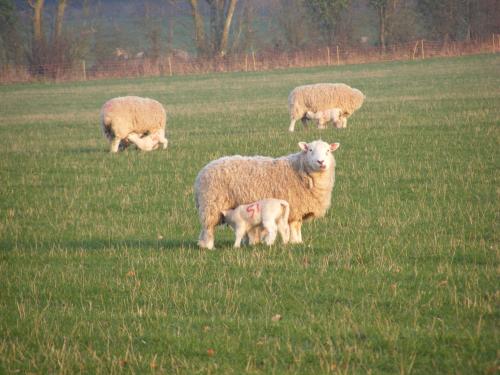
(270, 215)
(323, 117)
(133, 119)
(304, 179)
(320, 97)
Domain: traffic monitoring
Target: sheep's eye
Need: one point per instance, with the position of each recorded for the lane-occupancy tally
(310, 150)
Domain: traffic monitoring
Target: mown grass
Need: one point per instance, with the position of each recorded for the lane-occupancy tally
(99, 269)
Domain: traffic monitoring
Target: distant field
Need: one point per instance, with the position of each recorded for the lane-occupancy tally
(99, 268)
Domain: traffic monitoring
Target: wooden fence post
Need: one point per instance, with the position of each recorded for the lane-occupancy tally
(422, 45)
(84, 70)
(328, 54)
(253, 58)
(246, 62)
(338, 56)
(493, 40)
(414, 50)
(170, 66)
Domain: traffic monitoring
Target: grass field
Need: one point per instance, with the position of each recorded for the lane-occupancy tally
(99, 268)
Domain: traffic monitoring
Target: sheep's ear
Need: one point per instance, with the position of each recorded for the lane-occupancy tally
(334, 146)
(303, 146)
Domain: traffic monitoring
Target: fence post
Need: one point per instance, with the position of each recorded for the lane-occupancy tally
(246, 62)
(493, 40)
(422, 45)
(414, 50)
(84, 70)
(338, 56)
(253, 58)
(170, 66)
(328, 54)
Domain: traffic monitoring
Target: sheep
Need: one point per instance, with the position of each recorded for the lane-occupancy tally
(304, 179)
(320, 97)
(270, 215)
(323, 117)
(134, 119)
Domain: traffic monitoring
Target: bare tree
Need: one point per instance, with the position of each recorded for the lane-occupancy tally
(381, 7)
(220, 18)
(327, 14)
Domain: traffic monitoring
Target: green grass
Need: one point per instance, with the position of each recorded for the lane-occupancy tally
(99, 269)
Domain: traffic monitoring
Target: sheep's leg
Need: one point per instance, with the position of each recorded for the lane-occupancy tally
(254, 236)
(304, 122)
(272, 232)
(284, 230)
(206, 239)
(344, 122)
(291, 128)
(295, 232)
(115, 144)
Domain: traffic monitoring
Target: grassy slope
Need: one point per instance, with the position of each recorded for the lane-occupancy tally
(99, 269)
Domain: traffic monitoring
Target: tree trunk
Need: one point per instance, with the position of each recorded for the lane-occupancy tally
(61, 7)
(199, 27)
(227, 24)
(37, 6)
(382, 14)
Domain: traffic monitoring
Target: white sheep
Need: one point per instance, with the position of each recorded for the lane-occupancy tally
(269, 215)
(134, 119)
(320, 97)
(304, 179)
(323, 117)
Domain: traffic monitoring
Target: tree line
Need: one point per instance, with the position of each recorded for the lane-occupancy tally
(40, 32)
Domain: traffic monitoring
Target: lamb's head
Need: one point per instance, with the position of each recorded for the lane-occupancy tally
(318, 155)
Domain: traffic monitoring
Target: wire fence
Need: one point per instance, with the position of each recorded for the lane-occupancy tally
(171, 65)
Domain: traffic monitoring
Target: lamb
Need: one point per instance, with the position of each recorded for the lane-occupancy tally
(134, 119)
(320, 97)
(304, 179)
(323, 117)
(269, 215)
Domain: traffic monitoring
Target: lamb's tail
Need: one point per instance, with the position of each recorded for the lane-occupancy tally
(285, 209)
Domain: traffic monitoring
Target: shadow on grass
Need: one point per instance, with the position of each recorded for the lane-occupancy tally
(101, 244)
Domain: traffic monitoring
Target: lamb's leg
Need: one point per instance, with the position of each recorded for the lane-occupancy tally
(295, 232)
(115, 144)
(272, 231)
(162, 139)
(206, 239)
(344, 122)
(146, 144)
(240, 233)
(284, 230)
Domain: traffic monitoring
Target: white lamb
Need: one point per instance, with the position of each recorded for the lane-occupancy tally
(132, 119)
(323, 117)
(269, 215)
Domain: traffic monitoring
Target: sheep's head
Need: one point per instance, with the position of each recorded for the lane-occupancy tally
(318, 155)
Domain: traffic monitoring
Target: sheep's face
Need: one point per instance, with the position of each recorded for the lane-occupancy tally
(318, 155)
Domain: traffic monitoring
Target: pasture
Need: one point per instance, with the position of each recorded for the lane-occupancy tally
(99, 268)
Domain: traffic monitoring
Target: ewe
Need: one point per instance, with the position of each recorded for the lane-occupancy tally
(304, 179)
